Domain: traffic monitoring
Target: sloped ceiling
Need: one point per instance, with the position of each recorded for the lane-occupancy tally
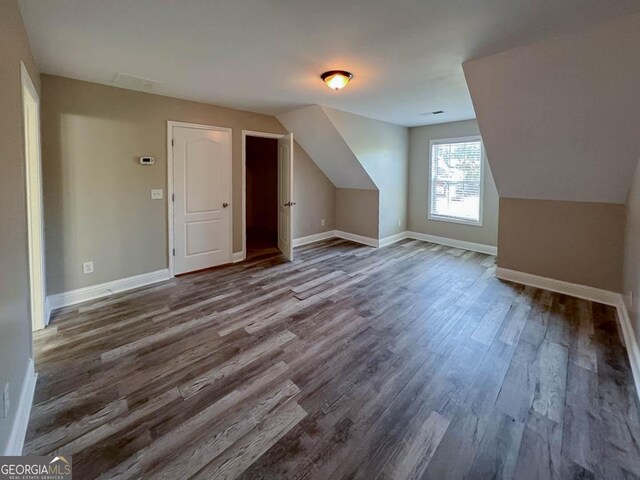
(380, 147)
(314, 131)
(560, 119)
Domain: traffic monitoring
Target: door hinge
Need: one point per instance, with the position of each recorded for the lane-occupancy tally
(173, 197)
(174, 252)
(172, 142)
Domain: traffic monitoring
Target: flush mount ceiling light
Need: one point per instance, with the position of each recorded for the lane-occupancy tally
(336, 79)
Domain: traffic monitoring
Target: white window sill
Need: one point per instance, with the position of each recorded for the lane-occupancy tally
(459, 221)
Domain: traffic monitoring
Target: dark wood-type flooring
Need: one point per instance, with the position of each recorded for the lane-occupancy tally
(410, 361)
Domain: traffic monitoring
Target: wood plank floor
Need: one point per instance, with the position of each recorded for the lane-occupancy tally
(405, 362)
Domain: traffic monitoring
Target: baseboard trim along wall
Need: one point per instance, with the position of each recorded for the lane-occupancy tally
(19, 429)
(372, 242)
(452, 242)
(559, 286)
(629, 340)
(80, 295)
(238, 257)
(588, 293)
(47, 311)
(383, 242)
(298, 242)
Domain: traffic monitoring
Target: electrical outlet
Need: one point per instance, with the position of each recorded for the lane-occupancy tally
(87, 267)
(399, 222)
(156, 194)
(322, 222)
(6, 403)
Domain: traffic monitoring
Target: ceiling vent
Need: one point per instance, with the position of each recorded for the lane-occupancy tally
(435, 112)
(122, 80)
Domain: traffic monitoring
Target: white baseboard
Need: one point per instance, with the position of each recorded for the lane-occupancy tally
(573, 289)
(19, 429)
(450, 242)
(238, 257)
(629, 340)
(80, 295)
(588, 293)
(298, 242)
(383, 242)
(47, 311)
(372, 242)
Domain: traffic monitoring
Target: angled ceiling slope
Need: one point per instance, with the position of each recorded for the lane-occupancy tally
(380, 147)
(560, 118)
(314, 131)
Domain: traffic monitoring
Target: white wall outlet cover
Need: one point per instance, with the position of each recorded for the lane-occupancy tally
(322, 222)
(156, 194)
(87, 267)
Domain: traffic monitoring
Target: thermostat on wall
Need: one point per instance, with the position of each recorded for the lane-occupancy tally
(147, 160)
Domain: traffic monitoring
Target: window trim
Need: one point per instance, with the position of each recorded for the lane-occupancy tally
(444, 218)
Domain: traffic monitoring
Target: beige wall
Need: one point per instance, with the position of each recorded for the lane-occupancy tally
(15, 321)
(631, 268)
(419, 138)
(97, 197)
(577, 242)
(314, 195)
(357, 211)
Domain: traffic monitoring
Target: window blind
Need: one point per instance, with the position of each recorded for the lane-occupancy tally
(456, 175)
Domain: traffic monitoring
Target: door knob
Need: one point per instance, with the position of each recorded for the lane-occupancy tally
(289, 204)
(225, 205)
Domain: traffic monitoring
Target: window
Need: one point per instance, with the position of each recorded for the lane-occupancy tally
(455, 169)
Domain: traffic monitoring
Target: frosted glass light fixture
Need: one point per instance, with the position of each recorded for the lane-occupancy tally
(336, 79)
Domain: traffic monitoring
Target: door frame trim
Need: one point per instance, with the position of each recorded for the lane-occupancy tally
(27, 87)
(245, 134)
(170, 226)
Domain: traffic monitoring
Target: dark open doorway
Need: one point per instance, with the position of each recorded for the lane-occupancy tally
(262, 195)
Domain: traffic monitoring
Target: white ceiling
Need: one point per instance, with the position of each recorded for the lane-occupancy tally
(267, 55)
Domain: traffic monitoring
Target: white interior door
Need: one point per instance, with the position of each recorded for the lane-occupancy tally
(285, 195)
(202, 203)
(35, 227)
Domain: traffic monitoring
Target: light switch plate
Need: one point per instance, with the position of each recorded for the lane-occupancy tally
(87, 267)
(156, 194)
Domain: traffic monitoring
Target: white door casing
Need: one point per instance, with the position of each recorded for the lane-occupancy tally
(285, 195)
(35, 223)
(202, 220)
